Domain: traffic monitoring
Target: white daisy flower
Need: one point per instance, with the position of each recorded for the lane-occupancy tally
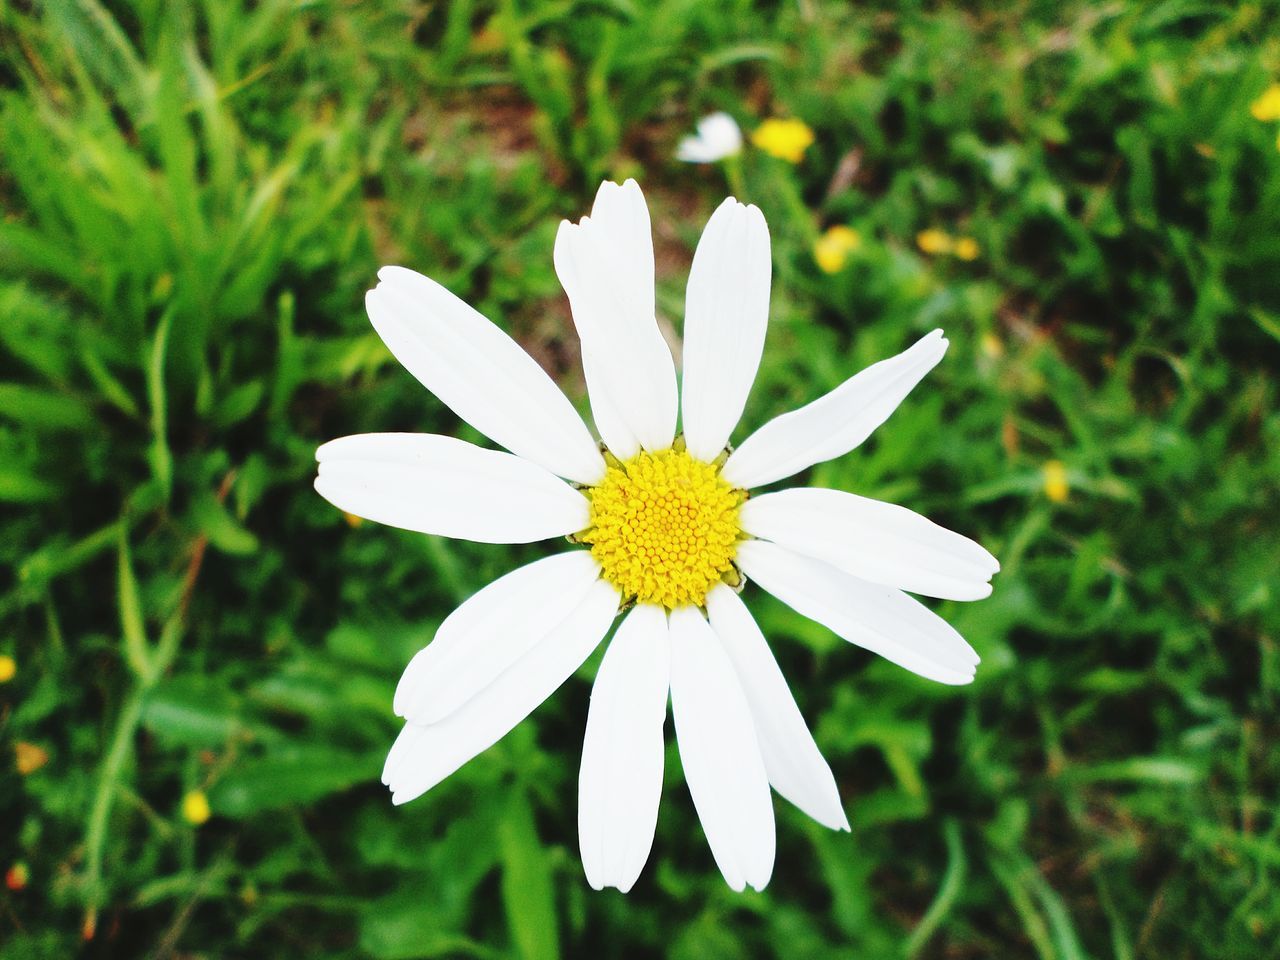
(666, 530)
(718, 137)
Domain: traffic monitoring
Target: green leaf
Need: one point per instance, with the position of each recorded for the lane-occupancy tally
(216, 523)
(137, 649)
(192, 711)
(237, 404)
(527, 894)
(403, 926)
(288, 777)
(43, 409)
(17, 485)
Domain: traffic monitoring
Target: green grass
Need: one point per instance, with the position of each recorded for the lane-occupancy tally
(193, 199)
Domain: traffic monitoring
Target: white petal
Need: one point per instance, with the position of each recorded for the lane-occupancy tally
(620, 782)
(481, 374)
(605, 263)
(720, 754)
(445, 486)
(718, 136)
(836, 423)
(612, 428)
(792, 760)
(726, 313)
(876, 541)
(422, 756)
(491, 630)
(878, 618)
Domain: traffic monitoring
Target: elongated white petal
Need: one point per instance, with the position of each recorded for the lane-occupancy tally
(422, 756)
(441, 485)
(613, 429)
(620, 781)
(605, 263)
(481, 374)
(726, 313)
(876, 541)
(792, 760)
(836, 423)
(490, 631)
(878, 618)
(720, 754)
(718, 136)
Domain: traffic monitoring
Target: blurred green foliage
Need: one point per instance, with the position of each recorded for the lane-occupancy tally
(195, 197)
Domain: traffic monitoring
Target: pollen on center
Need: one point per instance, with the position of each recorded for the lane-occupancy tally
(664, 527)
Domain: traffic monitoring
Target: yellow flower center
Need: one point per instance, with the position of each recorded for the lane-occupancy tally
(664, 527)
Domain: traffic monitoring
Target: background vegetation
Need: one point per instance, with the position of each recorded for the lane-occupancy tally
(195, 197)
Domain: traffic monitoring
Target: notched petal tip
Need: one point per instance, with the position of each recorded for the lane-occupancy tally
(958, 679)
(600, 886)
(393, 274)
(979, 591)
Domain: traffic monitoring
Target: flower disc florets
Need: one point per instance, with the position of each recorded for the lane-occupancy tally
(664, 527)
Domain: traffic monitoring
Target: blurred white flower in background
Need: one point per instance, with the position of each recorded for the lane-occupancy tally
(718, 137)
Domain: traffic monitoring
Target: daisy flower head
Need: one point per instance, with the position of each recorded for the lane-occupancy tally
(718, 137)
(665, 534)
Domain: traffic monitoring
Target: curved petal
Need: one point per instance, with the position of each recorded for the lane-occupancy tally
(726, 313)
(422, 756)
(605, 263)
(836, 423)
(445, 486)
(481, 374)
(876, 541)
(720, 754)
(620, 781)
(792, 760)
(877, 618)
(490, 631)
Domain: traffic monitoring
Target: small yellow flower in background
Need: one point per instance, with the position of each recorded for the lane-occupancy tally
(992, 346)
(934, 240)
(28, 758)
(195, 808)
(352, 520)
(785, 139)
(1056, 487)
(17, 876)
(1267, 106)
(833, 248)
(8, 668)
(966, 248)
